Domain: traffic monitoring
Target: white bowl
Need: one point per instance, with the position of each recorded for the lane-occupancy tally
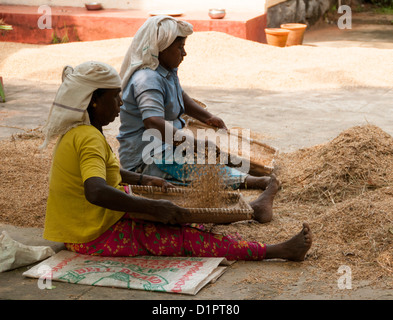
(217, 13)
(93, 6)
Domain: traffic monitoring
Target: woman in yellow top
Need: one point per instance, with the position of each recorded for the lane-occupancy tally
(90, 211)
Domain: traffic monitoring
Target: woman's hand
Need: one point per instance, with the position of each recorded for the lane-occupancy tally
(171, 213)
(216, 122)
(157, 182)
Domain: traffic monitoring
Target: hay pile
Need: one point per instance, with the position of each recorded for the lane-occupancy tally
(357, 232)
(358, 160)
(347, 185)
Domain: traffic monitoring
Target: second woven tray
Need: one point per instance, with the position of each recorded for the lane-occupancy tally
(234, 209)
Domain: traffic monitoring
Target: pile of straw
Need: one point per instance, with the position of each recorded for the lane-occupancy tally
(347, 188)
(358, 160)
(357, 232)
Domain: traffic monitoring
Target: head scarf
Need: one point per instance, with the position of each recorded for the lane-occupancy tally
(154, 36)
(73, 97)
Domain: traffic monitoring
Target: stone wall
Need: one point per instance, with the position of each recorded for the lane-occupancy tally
(298, 11)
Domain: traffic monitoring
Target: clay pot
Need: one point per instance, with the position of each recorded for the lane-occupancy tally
(296, 33)
(276, 36)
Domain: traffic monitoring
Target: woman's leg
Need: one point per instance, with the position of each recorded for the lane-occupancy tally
(134, 238)
(263, 205)
(253, 182)
(129, 237)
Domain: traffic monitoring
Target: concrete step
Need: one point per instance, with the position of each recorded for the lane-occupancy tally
(71, 24)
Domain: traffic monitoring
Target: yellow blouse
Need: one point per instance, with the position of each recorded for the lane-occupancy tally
(81, 153)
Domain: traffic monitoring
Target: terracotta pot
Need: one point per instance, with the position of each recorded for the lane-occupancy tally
(276, 36)
(296, 33)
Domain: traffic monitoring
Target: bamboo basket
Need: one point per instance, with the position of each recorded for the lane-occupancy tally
(261, 155)
(236, 208)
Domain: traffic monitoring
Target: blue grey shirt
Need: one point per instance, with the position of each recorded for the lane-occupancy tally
(149, 93)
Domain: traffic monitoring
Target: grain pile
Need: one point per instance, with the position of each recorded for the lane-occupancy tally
(218, 60)
(24, 180)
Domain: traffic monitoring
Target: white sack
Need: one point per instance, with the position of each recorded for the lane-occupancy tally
(186, 275)
(14, 254)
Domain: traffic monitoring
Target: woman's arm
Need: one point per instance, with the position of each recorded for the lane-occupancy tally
(163, 127)
(167, 132)
(99, 193)
(196, 111)
(130, 177)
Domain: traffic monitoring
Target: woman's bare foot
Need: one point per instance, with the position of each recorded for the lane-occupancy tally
(294, 249)
(263, 206)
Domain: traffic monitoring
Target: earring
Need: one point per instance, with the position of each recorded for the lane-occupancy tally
(95, 105)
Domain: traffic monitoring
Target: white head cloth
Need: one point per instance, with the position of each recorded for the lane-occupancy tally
(73, 97)
(154, 36)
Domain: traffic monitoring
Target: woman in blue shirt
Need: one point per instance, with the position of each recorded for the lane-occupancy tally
(154, 102)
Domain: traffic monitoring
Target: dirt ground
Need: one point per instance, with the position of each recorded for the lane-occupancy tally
(308, 115)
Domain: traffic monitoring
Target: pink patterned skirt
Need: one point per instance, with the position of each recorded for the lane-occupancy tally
(132, 237)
